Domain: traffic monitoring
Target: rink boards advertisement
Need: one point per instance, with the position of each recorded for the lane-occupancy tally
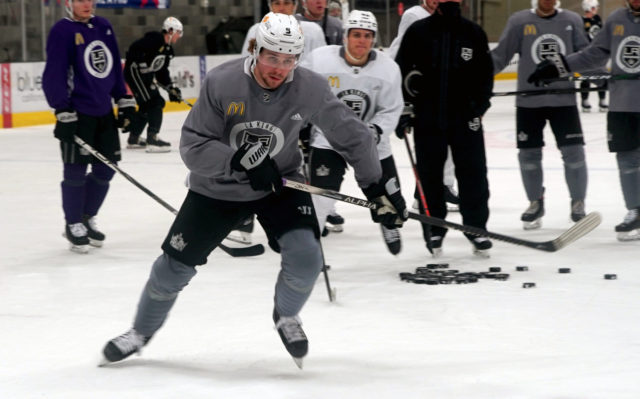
(24, 103)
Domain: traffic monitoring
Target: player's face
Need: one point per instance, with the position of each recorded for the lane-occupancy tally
(431, 5)
(546, 6)
(316, 7)
(287, 7)
(175, 37)
(359, 42)
(272, 68)
(82, 9)
(634, 4)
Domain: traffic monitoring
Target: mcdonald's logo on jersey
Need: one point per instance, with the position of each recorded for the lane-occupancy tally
(530, 29)
(235, 108)
(79, 39)
(618, 30)
(334, 81)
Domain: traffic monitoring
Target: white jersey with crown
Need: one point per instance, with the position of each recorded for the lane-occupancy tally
(312, 32)
(373, 91)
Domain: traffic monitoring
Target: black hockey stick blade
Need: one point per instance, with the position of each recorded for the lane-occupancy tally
(252, 250)
(582, 227)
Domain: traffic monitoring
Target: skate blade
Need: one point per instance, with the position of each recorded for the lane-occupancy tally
(536, 224)
(334, 228)
(437, 252)
(79, 249)
(240, 238)
(103, 361)
(298, 361)
(135, 146)
(152, 149)
(626, 236)
(95, 243)
(481, 253)
(586, 111)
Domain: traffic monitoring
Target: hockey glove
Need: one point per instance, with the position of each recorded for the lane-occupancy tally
(253, 158)
(555, 66)
(66, 125)
(392, 210)
(406, 122)
(376, 131)
(126, 109)
(175, 95)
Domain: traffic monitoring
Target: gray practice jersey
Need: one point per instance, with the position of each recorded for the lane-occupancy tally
(232, 109)
(313, 38)
(332, 31)
(619, 40)
(410, 16)
(534, 38)
(373, 91)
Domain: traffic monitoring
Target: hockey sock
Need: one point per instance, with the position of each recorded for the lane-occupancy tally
(531, 171)
(168, 277)
(575, 170)
(629, 169)
(300, 267)
(73, 191)
(96, 187)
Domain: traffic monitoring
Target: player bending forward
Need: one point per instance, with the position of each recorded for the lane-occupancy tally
(238, 141)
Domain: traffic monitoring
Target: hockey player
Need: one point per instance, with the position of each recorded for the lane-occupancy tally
(146, 67)
(369, 82)
(536, 34)
(316, 11)
(447, 77)
(81, 77)
(592, 25)
(618, 41)
(238, 141)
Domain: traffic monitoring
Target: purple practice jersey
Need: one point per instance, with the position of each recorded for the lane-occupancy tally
(83, 70)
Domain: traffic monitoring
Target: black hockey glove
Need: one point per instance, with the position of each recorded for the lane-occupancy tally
(126, 109)
(304, 142)
(253, 158)
(392, 210)
(66, 125)
(376, 131)
(406, 122)
(175, 95)
(555, 66)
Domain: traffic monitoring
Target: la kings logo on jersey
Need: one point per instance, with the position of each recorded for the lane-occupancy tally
(466, 53)
(545, 46)
(357, 100)
(98, 59)
(269, 135)
(628, 54)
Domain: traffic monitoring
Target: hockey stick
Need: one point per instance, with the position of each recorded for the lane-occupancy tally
(582, 227)
(568, 90)
(253, 250)
(595, 76)
(181, 99)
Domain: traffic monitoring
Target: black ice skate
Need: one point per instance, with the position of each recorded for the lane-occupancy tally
(123, 346)
(392, 239)
(629, 229)
(481, 246)
(452, 199)
(96, 237)
(334, 222)
(242, 234)
(586, 107)
(436, 246)
(292, 335)
(532, 217)
(135, 142)
(76, 233)
(603, 106)
(577, 210)
(155, 144)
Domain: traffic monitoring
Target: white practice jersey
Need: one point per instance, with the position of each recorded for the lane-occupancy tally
(312, 32)
(410, 16)
(373, 91)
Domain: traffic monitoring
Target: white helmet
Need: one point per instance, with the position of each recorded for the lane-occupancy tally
(172, 25)
(534, 4)
(360, 20)
(280, 33)
(588, 5)
(69, 7)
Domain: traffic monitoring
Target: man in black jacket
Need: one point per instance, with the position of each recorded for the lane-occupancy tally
(146, 67)
(448, 78)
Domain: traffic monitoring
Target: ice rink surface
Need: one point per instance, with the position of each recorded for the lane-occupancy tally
(574, 336)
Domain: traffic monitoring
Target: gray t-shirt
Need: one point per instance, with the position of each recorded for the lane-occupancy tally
(333, 30)
(232, 109)
(534, 38)
(619, 40)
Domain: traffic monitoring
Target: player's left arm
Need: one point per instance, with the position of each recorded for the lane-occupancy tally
(483, 77)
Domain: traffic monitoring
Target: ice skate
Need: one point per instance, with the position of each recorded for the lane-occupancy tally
(452, 199)
(532, 217)
(76, 233)
(292, 335)
(586, 106)
(436, 246)
(629, 229)
(242, 234)
(135, 142)
(334, 222)
(392, 239)
(123, 346)
(96, 237)
(577, 210)
(481, 246)
(155, 144)
(603, 106)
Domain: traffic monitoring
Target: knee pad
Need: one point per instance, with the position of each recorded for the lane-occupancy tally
(75, 174)
(628, 161)
(301, 259)
(168, 277)
(530, 158)
(101, 173)
(573, 156)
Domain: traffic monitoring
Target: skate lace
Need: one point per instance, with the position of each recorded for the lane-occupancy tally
(533, 207)
(631, 216)
(78, 230)
(291, 328)
(131, 341)
(390, 235)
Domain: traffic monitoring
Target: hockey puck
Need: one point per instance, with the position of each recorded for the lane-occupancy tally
(610, 277)
(564, 270)
(449, 272)
(495, 269)
(437, 265)
(487, 275)
(428, 281)
(528, 285)
(446, 280)
(502, 276)
(406, 276)
(522, 268)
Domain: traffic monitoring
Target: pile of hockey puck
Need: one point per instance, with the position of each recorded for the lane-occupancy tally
(439, 273)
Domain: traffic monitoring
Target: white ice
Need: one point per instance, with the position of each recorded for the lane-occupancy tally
(575, 335)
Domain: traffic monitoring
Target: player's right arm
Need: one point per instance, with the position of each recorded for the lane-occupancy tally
(508, 45)
(57, 69)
